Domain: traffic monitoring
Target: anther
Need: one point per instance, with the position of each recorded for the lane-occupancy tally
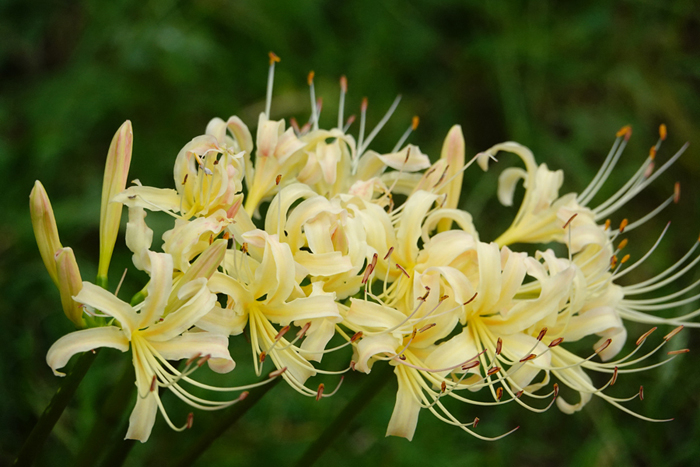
(190, 420)
(203, 360)
(426, 327)
(555, 388)
(676, 192)
(613, 380)
(622, 244)
(532, 356)
(649, 170)
(263, 355)
(443, 386)
(475, 422)
(625, 259)
(293, 122)
(499, 393)
(493, 370)
(414, 122)
(499, 346)
(641, 393)
(303, 330)
(542, 333)
(607, 224)
(471, 299)
(569, 221)
(343, 84)
(644, 336)
(319, 392)
(613, 261)
(355, 337)
(470, 365)
(403, 270)
(244, 247)
(273, 58)
(518, 394)
(425, 295)
(154, 384)
(310, 78)
(625, 131)
(605, 345)
(211, 239)
(282, 332)
(193, 358)
(668, 336)
(443, 298)
(402, 357)
(276, 373)
(652, 153)
(278, 179)
(184, 180)
(363, 106)
(388, 253)
(623, 224)
(243, 395)
(556, 342)
(663, 132)
(678, 352)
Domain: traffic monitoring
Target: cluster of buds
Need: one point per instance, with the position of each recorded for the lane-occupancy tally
(301, 242)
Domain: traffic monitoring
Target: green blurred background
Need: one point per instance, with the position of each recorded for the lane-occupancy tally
(561, 79)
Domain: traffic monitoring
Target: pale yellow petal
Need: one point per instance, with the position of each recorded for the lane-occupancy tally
(81, 341)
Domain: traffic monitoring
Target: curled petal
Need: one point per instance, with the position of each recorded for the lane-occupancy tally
(82, 341)
(191, 344)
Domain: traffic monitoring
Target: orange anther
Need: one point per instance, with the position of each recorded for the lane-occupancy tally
(607, 224)
(625, 259)
(414, 122)
(319, 392)
(676, 192)
(663, 133)
(652, 153)
(678, 352)
(310, 78)
(532, 356)
(273, 58)
(499, 393)
(493, 370)
(443, 386)
(343, 84)
(263, 355)
(623, 224)
(622, 244)
(282, 332)
(278, 179)
(624, 131)
(355, 337)
(556, 342)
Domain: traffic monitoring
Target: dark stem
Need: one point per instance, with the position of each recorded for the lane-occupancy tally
(32, 446)
(110, 415)
(119, 451)
(376, 380)
(223, 423)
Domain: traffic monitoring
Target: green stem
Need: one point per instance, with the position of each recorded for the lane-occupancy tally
(117, 454)
(223, 423)
(109, 416)
(376, 380)
(32, 446)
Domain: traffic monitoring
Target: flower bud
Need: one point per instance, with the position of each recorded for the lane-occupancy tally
(453, 154)
(45, 229)
(115, 177)
(69, 284)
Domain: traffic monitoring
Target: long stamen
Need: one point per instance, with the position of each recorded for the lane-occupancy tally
(270, 80)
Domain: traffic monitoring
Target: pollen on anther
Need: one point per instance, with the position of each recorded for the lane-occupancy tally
(273, 58)
(625, 259)
(263, 355)
(625, 131)
(357, 336)
(363, 106)
(607, 224)
(426, 327)
(303, 330)
(310, 78)
(622, 244)
(282, 332)
(569, 221)
(499, 393)
(319, 392)
(443, 386)
(414, 122)
(663, 133)
(388, 253)
(652, 153)
(476, 422)
(676, 192)
(555, 388)
(623, 224)
(532, 356)
(278, 179)
(470, 365)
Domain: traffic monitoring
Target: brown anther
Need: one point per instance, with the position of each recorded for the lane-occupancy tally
(678, 352)
(624, 131)
(470, 365)
(350, 120)
(211, 239)
(605, 345)
(398, 266)
(442, 177)
(556, 342)
(493, 370)
(190, 420)
(343, 84)
(203, 360)
(293, 122)
(278, 179)
(641, 393)
(303, 330)
(668, 336)
(622, 244)
(408, 154)
(518, 394)
(499, 393)
(184, 180)
(310, 78)
(676, 192)
(244, 247)
(243, 395)
(263, 355)
(443, 386)
(569, 221)
(364, 104)
(273, 58)
(426, 327)
(532, 356)
(414, 122)
(613, 380)
(663, 132)
(352, 365)
(652, 153)
(193, 358)
(499, 346)
(555, 388)
(542, 333)
(154, 383)
(471, 299)
(402, 357)
(282, 332)
(443, 298)
(370, 269)
(216, 162)
(226, 235)
(476, 422)
(613, 261)
(413, 334)
(607, 224)
(425, 295)
(623, 224)
(644, 336)
(276, 373)
(319, 392)
(625, 259)
(131, 196)
(355, 337)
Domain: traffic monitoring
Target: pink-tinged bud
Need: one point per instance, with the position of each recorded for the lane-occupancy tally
(69, 284)
(45, 229)
(453, 154)
(114, 182)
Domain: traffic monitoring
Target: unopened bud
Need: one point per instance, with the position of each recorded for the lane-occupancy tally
(45, 229)
(69, 284)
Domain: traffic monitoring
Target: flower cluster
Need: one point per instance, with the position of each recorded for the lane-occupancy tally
(307, 236)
